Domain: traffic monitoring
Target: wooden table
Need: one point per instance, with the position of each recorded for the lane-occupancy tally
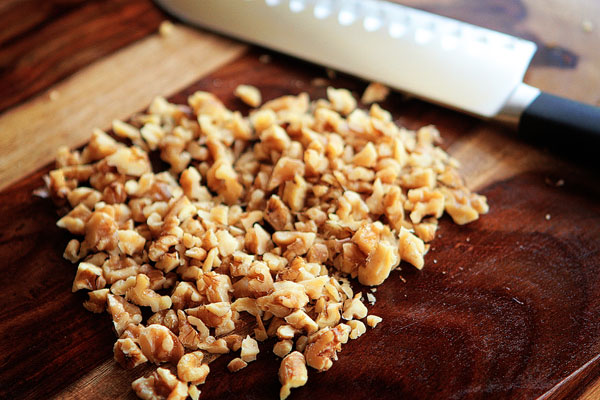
(511, 308)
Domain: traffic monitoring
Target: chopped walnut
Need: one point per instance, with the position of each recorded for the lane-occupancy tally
(354, 308)
(322, 348)
(97, 301)
(249, 349)
(358, 328)
(236, 364)
(214, 346)
(411, 248)
(166, 318)
(379, 263)
(88, 277)
(258, 241)
(122, 313)
(373, 320)
(249, 95)
(128, 354)
(292, 373)
(130, 242)
(282, 348)
(300, 320)
(191, 369)
(341, 100)
(286, 297)
(160, 345)
(463, 206)
(375, 93)
(142, 295)
(160, 385)
(277, 214)
(130, 161)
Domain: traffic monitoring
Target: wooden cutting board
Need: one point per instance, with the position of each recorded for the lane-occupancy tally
(506, 307)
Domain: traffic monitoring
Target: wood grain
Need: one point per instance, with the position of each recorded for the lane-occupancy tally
(110, 89)
(43, 42)
(509, 309)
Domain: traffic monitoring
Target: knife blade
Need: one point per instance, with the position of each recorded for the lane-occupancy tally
(445, 61)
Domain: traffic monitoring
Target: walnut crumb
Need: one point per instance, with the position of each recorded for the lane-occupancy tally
(236, 364)
(373, 320)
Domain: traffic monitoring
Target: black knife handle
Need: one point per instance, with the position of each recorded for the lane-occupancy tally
(562, 125)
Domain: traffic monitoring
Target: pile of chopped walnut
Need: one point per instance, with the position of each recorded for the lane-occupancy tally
(264, 215)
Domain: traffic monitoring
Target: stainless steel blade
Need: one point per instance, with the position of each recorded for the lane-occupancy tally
(436, 58)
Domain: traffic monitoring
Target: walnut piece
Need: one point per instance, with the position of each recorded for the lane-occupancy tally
(122, 313)
(375, 93)
(160, 385)
(160, 345)
(249, 349)
(292, 373)
(373, 320)
(236, 364)
(142, 295)
(128, 354)
(191, 369)
(249, 95)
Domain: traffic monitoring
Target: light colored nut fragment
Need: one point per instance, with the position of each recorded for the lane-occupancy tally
(379, 264)
(214, 346)
(249, 349)
(322, 349)
(358, 328)
(75, 220)
(285, 331)
(341, 100)
(285, 169)
(122, 313)
(411, 248)
(373, 320)
(130, 241)
(422, 202)
(97, 301)
(275, 138)
(292, 373)
(128, 354)
(131, 161)
(375, 93)
(286, 297)
(463, 206)
(236, 364)
(191, 369)
(300, 320)
(277, 214)
(301, 343)
(160, 345)
(159, 385)
(88, 277)
(249, 95)
(194, 392)
(101, 231)
(282, 348)
(354, 308)
(257, 240)
(142, 295)
(367, 157)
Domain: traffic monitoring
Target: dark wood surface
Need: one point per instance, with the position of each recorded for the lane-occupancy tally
(509, 308)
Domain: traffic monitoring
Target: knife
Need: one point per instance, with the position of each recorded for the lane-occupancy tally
(445, 61)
